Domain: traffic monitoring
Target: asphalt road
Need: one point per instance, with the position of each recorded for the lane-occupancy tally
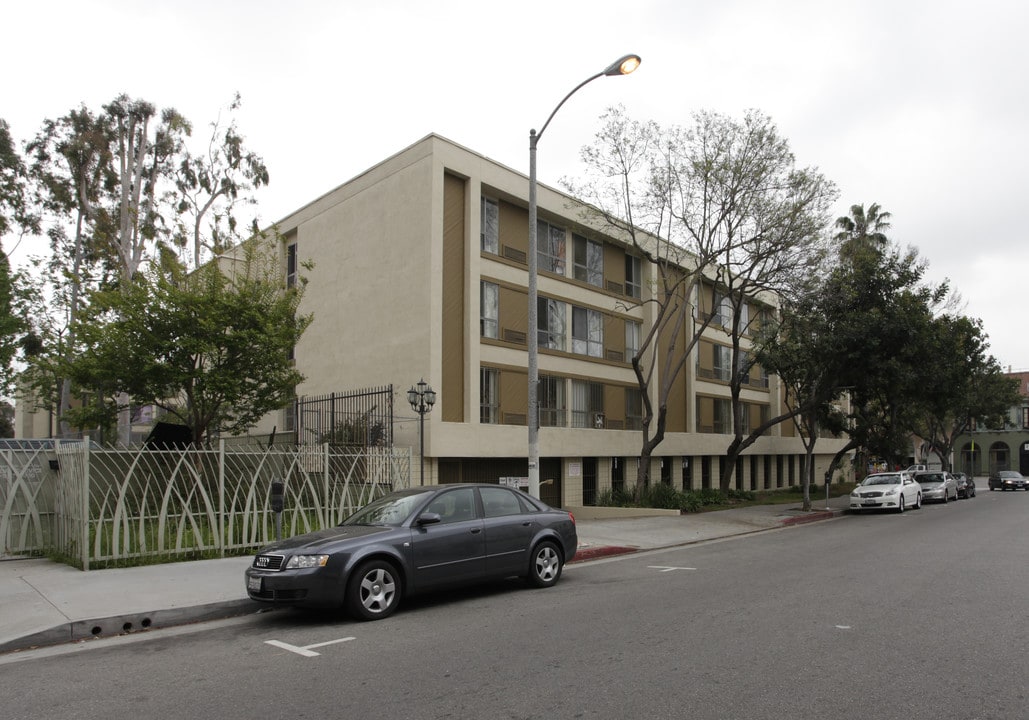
(920, 615)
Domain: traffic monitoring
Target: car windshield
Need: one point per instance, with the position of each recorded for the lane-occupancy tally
(1010, 474)
(882, 480)
(930, 478)
(390, 510)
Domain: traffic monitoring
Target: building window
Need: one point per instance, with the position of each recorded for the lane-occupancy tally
(633, 277)
(550, 255)
(489, 236)
(291, 265)
(723, 311)
(489, 392)
(723, 416)
(633, 409)
(588, 261)
(633, 330)
(489, 308)
(587, 404)
(587, 332)
(722, 362)
(552, 408)
(550, 323)
(1025, 418)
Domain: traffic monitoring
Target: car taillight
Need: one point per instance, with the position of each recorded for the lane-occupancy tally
(572, 518)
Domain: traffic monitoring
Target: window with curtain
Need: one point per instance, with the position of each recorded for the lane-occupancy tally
(633, 331)
(550, 323)
(489, 235)
(489, 394)
(633, 277)
(587, 332)
(588, 261)
(550, 247)
(489, 308)
(551, 394)
(587, 404)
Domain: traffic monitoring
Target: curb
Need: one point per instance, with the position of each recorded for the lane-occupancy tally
(812, 516)
(594, 553)
(78, 630)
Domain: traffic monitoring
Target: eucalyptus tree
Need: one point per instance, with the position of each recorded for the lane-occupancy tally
(210, 188)
(15, 216)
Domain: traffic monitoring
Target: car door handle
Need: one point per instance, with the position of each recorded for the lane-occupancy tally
(476, 531)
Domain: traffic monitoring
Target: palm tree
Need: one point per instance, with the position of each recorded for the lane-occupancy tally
(862, 230)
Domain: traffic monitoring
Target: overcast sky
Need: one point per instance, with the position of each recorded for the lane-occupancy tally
(919, 105)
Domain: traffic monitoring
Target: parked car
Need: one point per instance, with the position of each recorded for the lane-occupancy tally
(887, 491)
(966, 485)
(413, 541)
(937, 485)
(1008, 480)
(916, 468)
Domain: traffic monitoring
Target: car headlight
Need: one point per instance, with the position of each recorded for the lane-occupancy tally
(298, 562)
(855, 494)
(891, 491)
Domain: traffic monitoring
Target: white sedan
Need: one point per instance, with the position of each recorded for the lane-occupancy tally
(887, 491)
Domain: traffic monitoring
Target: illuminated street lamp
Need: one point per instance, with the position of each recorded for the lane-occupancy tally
(422, 397)
(621, 66)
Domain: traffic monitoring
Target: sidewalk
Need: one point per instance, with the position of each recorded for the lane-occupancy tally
(46, 603)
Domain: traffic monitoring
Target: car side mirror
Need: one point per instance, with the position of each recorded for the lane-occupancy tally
(428, 518)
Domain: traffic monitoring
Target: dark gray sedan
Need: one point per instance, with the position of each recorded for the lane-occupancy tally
(414, 541)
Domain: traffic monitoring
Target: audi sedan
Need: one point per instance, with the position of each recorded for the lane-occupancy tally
(414, 541)
(937, 485)
(886, 491)
(1008, 480)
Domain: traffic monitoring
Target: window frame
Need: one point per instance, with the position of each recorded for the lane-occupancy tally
(485, 307)
(489, 396)
(489, 232)
(587, 332)
(591, 268)
(551, 248)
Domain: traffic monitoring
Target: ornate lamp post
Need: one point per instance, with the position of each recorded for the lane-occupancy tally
(422, 397)
(621, 66)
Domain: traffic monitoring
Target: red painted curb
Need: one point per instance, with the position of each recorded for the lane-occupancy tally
(810, 517)
(593, 553)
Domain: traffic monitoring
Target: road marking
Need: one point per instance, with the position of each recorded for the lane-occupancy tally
(843, 627)
(668, 568)
(306, 650)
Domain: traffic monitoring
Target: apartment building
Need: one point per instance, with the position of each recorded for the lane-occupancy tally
(420, 272)
(986, 450)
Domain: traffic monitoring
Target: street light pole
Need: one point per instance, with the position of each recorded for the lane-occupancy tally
(621, 66)
(422, 397)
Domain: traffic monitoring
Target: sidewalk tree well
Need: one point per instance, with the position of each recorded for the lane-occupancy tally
(211, 347)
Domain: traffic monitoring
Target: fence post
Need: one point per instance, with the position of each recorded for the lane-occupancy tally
(84, 506)
(221, 497)
(327, 519)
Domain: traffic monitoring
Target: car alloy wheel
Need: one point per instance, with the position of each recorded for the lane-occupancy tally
(918, 501)
(545, 568)
(373, 591)
(900, 504)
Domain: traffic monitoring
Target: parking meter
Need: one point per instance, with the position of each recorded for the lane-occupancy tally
(276, 501)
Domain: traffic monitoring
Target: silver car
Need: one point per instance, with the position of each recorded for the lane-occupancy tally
(937, 485)
(887, 491)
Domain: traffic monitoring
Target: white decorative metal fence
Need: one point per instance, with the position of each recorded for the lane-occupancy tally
(97, 507)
